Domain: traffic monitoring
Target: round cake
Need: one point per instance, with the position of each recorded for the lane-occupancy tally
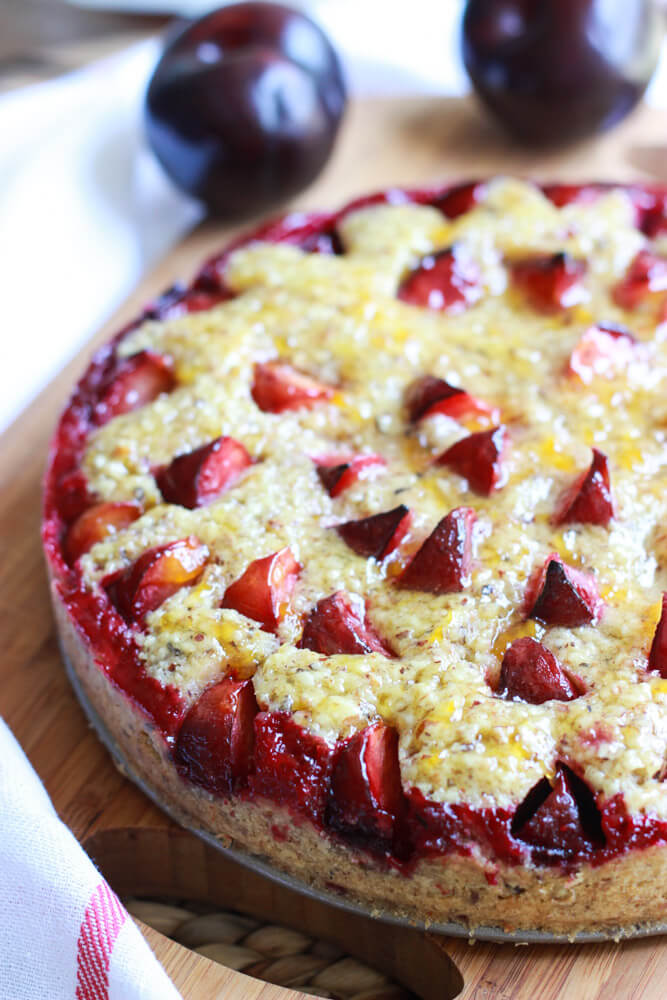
(358, 547)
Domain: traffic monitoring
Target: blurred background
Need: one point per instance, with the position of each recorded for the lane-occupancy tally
(43, 38)
(85, 207)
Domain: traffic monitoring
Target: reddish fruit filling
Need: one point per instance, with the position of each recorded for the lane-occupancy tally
(326, 241)
(550, 283)
(97, 523)
(442, 565)
(532, 673)
(460, 199)
(430, 395)
(377, 536)
(155, 576)
(264, 589)
(569, 194)
(72, 498)
(222, 742)
(589, 499)
(442, 281)
(180, 300)
(338, 475)
(202, 475)
(339, 624)
(647, 275)
(279, 387)
(657, 659)
(481, 459)
(602, 352)
(562, 595)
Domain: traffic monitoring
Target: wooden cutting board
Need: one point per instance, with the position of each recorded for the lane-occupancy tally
(383, 143)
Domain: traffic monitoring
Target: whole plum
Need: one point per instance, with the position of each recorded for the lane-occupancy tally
(557, 70)
(244, 105)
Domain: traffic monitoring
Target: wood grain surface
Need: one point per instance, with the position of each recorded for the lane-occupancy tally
(384, 142)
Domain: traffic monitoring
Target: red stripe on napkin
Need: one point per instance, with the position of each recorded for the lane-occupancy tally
(99, 929)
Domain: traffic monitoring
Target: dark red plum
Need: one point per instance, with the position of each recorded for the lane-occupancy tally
(556, 70)
(244, 105)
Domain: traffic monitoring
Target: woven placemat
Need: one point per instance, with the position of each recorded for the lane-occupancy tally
(271, 952)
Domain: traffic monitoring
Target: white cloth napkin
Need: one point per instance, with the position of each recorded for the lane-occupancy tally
(64, 935)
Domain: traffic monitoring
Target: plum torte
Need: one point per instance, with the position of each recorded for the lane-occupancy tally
(358, 548)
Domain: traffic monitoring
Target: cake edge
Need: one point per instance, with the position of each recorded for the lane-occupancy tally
(619, 898)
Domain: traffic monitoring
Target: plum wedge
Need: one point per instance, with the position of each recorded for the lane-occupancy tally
(559, 819)
(532, 673)
(588, 500)
(337, 475)
(200, 476)
(263, 591)
(291, 765)
(377, 536)
(155, 576)
(97, 523)
(366, 793)
(430, 395)
(442, 565)
(134, 382)
(339, 624)
(603, 352)
(442, 281)
(562, 595)
(278, 387)
(214, 746)
(549, 283)
(481, 459)
(646, 276)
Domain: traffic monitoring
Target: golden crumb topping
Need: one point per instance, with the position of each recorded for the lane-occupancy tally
(338, 319)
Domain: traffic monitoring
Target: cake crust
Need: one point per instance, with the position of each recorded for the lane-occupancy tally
(621, 898)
